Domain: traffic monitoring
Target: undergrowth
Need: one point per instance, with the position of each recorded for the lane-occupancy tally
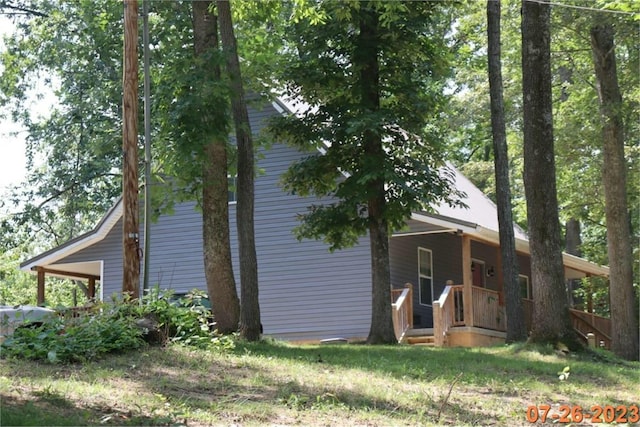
(121, 326)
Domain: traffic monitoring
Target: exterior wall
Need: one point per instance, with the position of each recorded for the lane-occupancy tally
(489, 255)
(109, 251)
(305, 291)
(446, 251)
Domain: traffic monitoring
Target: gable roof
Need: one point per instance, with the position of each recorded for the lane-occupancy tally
(74, 245)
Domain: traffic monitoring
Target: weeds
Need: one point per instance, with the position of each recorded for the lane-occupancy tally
(118, 327)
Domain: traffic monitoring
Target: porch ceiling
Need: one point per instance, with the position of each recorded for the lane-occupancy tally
(66, 270)
(415, 227)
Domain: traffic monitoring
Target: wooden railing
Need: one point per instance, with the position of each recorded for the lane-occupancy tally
(589, 323)
(447, 312)
(487, 312)
(584, 323)
(70, 312)
(402, 310)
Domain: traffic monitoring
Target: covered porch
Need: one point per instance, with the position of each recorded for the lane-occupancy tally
(90, 272)
(468, 315)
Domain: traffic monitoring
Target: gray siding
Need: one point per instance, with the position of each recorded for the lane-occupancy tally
(305, 291)
(446, 252)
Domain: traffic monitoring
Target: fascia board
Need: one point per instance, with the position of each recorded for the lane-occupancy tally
(79, 243)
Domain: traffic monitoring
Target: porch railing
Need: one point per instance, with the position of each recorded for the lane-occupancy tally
(402, 310)
(487, 312)
(447, 312)
(589, 323)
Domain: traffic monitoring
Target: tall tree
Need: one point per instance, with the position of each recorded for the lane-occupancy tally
(72, 55)
(372, 74)
(551, 322)
(250, 306)
(215, 207)
(516, 330)
(624, 319)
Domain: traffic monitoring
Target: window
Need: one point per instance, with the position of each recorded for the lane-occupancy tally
(425, 276)
(525, 289)
(232, 195)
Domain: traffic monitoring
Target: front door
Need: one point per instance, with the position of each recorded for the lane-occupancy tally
(478, 273)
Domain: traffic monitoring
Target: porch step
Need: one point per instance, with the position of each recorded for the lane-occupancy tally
(425, 340)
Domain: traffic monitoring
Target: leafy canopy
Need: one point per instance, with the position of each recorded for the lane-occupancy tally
(322, 75)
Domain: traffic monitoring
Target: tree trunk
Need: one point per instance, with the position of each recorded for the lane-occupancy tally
(516, 329)
(551, 322)
(250, 305)
(624, 320)
(215, 207)
(366, 60)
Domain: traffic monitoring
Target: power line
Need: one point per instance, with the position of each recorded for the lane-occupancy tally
(591, 9)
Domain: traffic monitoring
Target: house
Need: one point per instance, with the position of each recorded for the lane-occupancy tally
(308, 293)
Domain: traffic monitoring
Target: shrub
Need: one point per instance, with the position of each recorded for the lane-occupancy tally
(75, 339)
(116, 327)
(185, 320)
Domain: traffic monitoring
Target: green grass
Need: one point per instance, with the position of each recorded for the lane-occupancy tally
(272, 383)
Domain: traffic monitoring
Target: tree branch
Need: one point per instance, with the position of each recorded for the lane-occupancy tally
(23, 10)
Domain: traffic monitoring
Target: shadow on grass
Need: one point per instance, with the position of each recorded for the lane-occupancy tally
(478, 365)
(52, 409)
(231, 388)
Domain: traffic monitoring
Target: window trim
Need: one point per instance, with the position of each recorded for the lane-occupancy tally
(420, 276)
(524, 276)
(232, 180)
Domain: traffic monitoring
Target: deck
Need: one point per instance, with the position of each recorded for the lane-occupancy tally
(482, 322)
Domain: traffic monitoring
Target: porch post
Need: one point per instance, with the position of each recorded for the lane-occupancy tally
(467, 281)
(92, 288)
(40, 295)
(410, 306)
(438, 338)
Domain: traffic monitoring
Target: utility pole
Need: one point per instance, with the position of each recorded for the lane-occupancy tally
(147, 146)
(130, 215)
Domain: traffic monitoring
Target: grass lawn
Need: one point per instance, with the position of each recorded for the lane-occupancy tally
(272, 383)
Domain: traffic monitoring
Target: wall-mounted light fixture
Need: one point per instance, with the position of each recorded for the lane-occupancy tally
(491, 272)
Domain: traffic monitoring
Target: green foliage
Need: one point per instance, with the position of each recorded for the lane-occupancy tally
(186, 321)
(577, 126)
(73, 149)
(19, 288)
(564, 374)
(109, 328)
(76, 339)
(324, 72)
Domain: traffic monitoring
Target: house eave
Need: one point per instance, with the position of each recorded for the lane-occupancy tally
(77, 244)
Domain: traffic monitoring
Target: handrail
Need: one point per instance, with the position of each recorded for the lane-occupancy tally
(487, 312)
(444, 313)
(590, 326)
(402, 311)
